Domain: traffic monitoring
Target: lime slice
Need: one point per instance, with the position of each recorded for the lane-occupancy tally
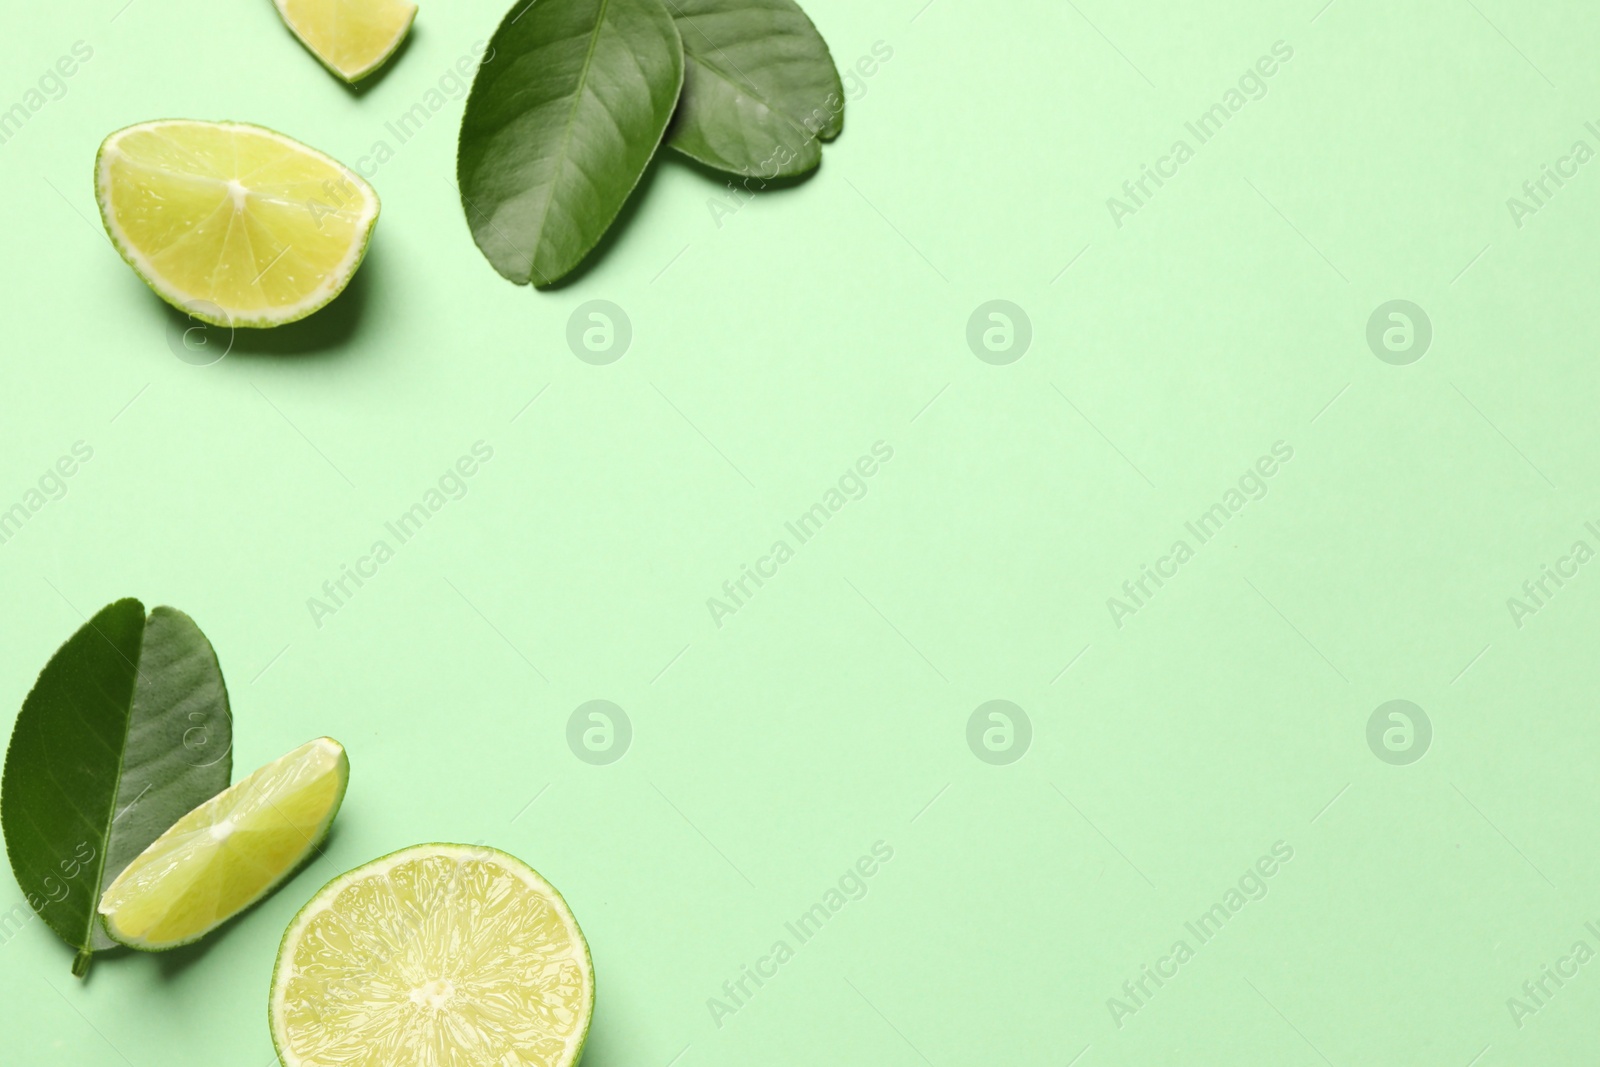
(229, 852)
(234, 224)
(436, 954)
(352, 38)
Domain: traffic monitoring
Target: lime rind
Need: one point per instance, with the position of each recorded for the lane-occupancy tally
(199, 307)
(314, 842)
(276, 1001)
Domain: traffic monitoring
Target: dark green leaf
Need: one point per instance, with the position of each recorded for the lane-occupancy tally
(760, 92)
(127, 729)
(565, 113)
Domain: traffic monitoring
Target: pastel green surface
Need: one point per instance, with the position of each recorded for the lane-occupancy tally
(769, 348)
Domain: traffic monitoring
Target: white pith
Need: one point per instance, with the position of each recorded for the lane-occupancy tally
(333, 282)
(434, 994)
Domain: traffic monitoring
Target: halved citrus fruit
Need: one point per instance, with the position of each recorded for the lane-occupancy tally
(352, 38)
(234, 224)
(229, 852)
(436, 954)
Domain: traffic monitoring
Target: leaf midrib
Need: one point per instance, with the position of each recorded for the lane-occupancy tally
(566, 136)
(748, 87)
(116, 790)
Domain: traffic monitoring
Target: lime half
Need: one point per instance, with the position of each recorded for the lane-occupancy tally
(234, 224)
(229, 852)
(437, 954)
(352, 38)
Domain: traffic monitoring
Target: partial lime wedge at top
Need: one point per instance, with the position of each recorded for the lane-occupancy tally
(229, 852)
(436, 954)
(352, 38)
(235, 224)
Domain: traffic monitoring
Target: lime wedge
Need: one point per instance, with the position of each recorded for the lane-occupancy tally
(352, 38)
(229, 852)
(234, 224)
(437, 954)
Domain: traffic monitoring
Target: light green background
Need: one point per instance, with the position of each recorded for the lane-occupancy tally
(1229, 313)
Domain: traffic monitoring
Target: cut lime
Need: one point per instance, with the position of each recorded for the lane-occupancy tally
(229, 852)
(352, 38)
(234, 224)
(436, 954)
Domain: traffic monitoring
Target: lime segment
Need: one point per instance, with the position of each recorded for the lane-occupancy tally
(234, 224)
(352, 38)
(229, 852)
(437, 954)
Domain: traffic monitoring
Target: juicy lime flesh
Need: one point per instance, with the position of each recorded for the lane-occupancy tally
(353, 37)
(223, 855)
(439, 956)
(234, 216)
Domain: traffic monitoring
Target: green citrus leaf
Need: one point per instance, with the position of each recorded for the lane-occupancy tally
(565, 113)
(126, 730)
(760, 92)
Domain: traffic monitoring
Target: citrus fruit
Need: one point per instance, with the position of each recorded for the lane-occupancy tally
(229, 852)
(235, 224)
(352, 38)
(436, 954)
